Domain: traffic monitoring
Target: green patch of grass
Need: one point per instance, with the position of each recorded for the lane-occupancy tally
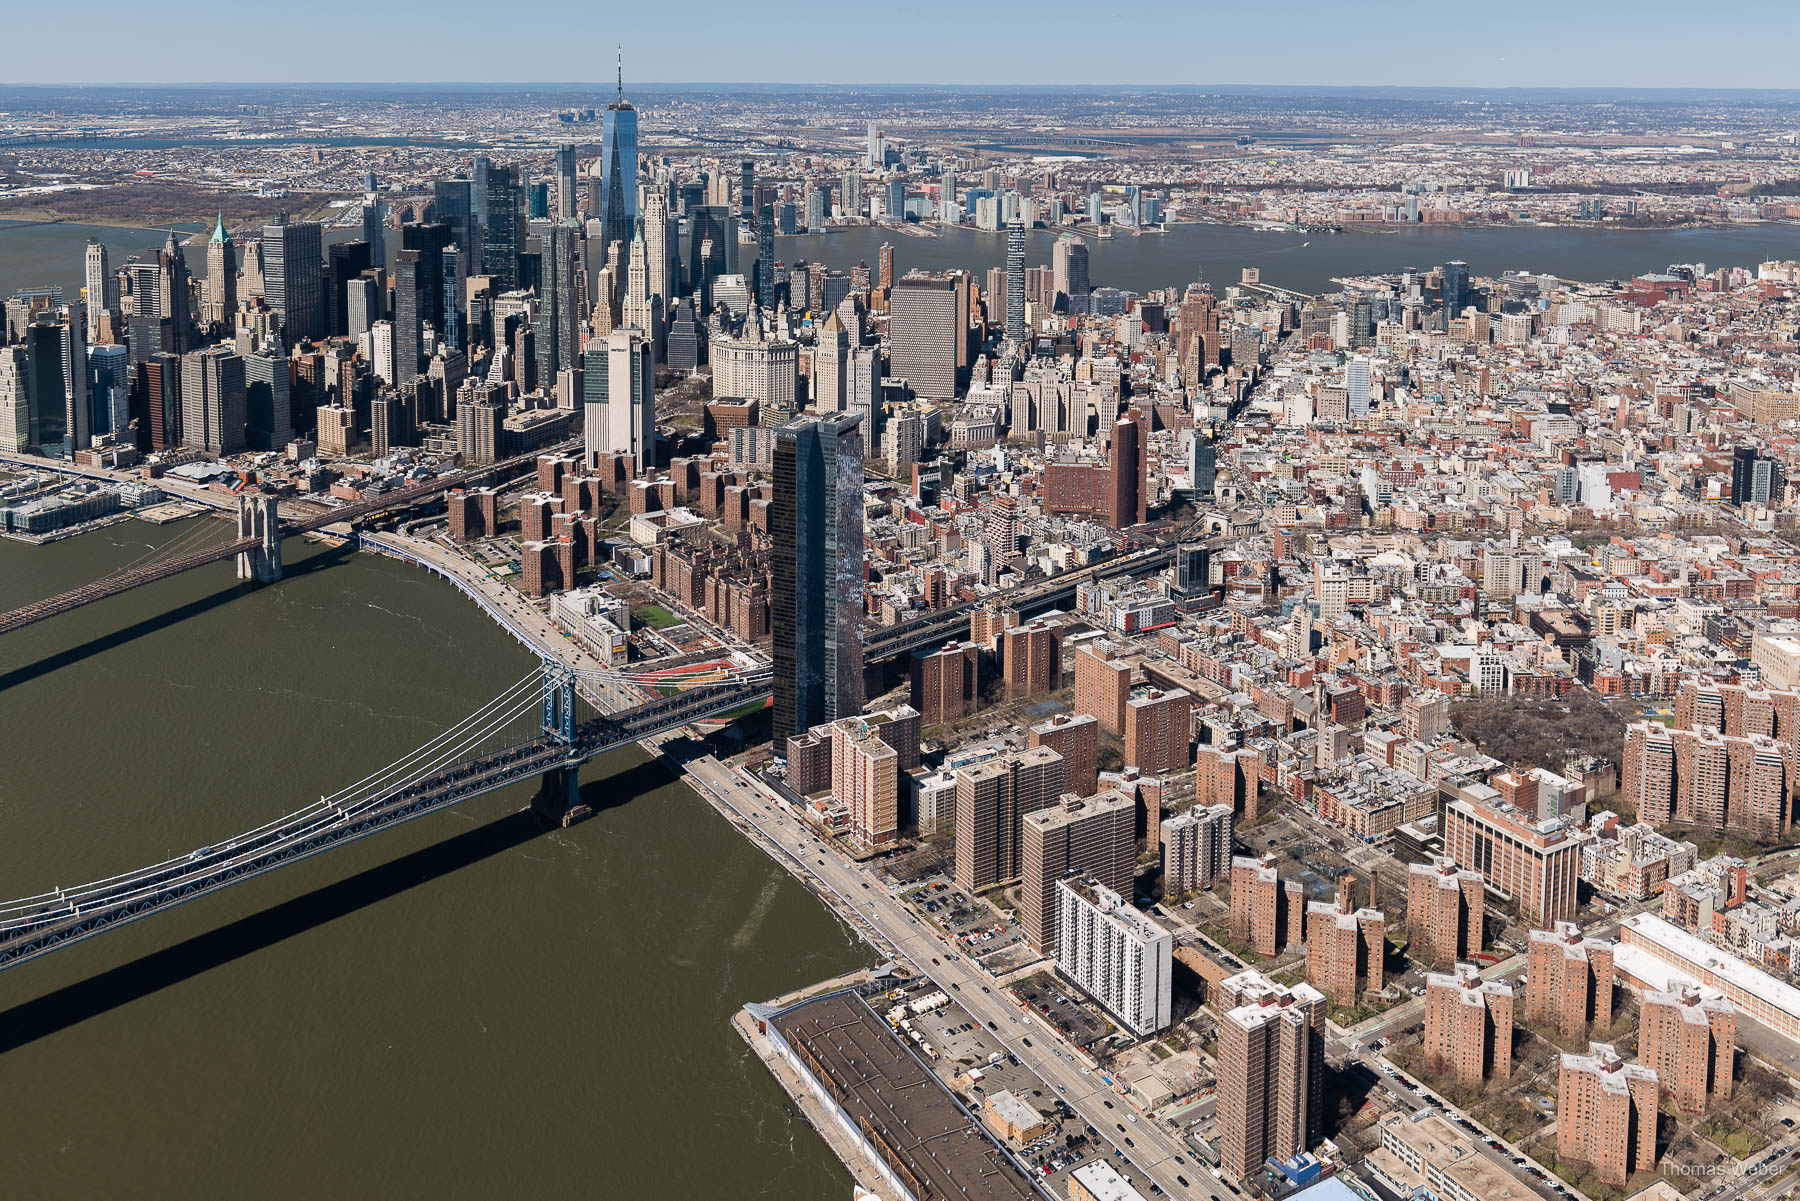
(655, 616)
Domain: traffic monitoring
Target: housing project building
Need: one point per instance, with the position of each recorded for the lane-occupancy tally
(1271, 1071)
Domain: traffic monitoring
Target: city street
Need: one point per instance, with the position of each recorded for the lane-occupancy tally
(1154, 1153)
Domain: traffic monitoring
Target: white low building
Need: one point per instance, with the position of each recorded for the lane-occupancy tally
(597, 619)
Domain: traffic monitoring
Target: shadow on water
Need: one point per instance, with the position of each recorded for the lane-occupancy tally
(27, 672)
(75, 1003)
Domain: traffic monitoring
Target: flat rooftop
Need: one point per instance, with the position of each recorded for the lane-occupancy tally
(875, 1078)
(1752, 980)
(1444, 1147)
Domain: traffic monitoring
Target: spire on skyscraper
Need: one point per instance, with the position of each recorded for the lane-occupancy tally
(220, 234)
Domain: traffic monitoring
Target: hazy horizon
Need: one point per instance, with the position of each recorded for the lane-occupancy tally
(1605, 44)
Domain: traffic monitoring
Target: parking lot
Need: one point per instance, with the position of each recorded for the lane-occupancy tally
(993, 940)
(1080, 1021)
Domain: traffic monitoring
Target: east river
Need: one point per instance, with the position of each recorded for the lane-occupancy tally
(464, 1006)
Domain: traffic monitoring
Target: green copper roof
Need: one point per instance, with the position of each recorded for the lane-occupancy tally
(219, 234)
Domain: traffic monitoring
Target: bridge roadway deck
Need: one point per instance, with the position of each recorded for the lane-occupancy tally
(35, 926)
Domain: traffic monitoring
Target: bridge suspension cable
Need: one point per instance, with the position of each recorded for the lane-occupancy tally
(447, 748)
(526, 687)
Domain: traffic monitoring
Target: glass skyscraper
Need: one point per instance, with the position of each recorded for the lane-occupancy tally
(765, 256)
(817, 525)
(503, 239)
(294, 277)
(618, 170)
(1456, 289)
(412, 282)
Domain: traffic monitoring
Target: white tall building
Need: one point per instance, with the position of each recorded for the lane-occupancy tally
(15, 411)
(1115, 954)
(829, 357)
(630, 398)
(1196, 847)
(862, 393)
(755, 367)
(381, 351)
(1356, 383)
(905, 442)
(102, 286)
(656, 245)
(1487, 672)
(643, 307)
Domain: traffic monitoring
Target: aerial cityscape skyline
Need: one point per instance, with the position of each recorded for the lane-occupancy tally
(1029, 643)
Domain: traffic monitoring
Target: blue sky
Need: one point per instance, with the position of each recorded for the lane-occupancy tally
(1520, 43)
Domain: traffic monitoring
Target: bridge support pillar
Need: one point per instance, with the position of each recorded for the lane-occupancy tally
(558, 794)
(559, 702)
(257, 518)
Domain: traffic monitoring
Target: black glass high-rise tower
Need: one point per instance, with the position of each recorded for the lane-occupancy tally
(348, 260)
(765, 256)
(816, 521)
(503, 238)
(294, 277)
(412, 282)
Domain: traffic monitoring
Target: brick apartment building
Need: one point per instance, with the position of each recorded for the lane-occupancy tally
(1157, 727)
(1267, 912)
(1569, 981)
(1228, 777)
(1444, 911)
(1468, 1027)
(1271, 1074)
(1077, 739)
(1090, 837)
(1689, 1043)
(1534, 864)
(1102, 686)
(945, 682)
(1344, 947)
(1606, 1114)
(1030, 659)
(991, 798)
(1706, 778)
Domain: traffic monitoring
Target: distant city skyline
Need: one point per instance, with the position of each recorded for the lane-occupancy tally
(1650, 44)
